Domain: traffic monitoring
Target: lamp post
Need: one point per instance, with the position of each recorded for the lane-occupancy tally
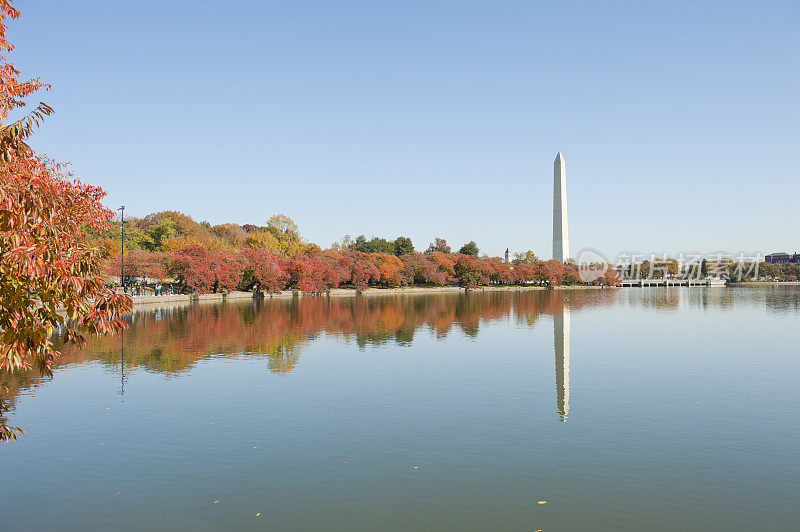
(122, 258)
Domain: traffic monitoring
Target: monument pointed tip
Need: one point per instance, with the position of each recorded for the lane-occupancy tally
(559, 156)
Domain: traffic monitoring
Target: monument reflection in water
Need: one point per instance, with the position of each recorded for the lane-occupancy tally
(561, 344)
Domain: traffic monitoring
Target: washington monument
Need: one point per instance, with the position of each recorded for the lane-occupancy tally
(560, 230)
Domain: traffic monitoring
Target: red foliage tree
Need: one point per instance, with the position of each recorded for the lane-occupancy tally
(418, 269)
(338, 267)
(203, 271)
(471, 271)
(610, 278)
(45, 263)
(264, 268)
(308, 274)
(138, 263)
(551, 271)
(446, 264)
(228, 269)
(526, 273)
(499, 271)
(192, 266)
(571, 275)
(363, 270)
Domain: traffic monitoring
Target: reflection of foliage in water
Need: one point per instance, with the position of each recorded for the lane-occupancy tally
(172, 340)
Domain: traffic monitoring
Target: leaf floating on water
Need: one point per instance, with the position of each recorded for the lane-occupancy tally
(258, 514)
(215, 502)
(542, 502)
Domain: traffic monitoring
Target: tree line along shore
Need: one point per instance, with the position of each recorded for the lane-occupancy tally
(201, 258)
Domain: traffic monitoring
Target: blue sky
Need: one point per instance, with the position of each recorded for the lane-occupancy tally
(679, 121)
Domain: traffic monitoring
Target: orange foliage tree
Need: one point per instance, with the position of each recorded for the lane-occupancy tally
(45, 263)
(390, 268)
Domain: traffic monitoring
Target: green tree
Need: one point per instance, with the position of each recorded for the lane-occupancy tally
(403, 245)
(470, 248)
(381, 245)
(153, 237)
(374, 245)
(359, 244)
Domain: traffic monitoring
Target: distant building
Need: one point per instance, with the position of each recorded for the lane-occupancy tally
(506, 255)
(783, 258)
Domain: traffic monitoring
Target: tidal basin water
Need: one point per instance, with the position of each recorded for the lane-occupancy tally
(630, 409)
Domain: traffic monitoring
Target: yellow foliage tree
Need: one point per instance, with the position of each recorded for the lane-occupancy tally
(287, 234)
(263, 240)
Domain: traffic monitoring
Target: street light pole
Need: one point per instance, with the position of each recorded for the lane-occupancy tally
(122, 258)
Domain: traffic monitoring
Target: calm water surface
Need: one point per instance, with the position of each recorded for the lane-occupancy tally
(654, 409)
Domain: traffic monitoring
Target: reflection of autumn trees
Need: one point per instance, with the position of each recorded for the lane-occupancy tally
(172, 340)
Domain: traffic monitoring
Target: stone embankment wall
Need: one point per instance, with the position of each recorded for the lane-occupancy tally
(339, 292)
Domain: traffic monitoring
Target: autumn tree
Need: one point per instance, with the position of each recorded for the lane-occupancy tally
(471, 271)
(265, 269)
(527, 257)
(500, 271)
(263, 240)
(550, 271)
(233, 234)
(767, 269)
(571, 275)
(525, 273)
(419, 269)
(46, 266)
(390, 267)
(228, 269)
(610, 278)
(445, 263)
(439, 245)
(363, 270)
(138, 263)
(190, 265)
(286, 233)
(308, 274)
